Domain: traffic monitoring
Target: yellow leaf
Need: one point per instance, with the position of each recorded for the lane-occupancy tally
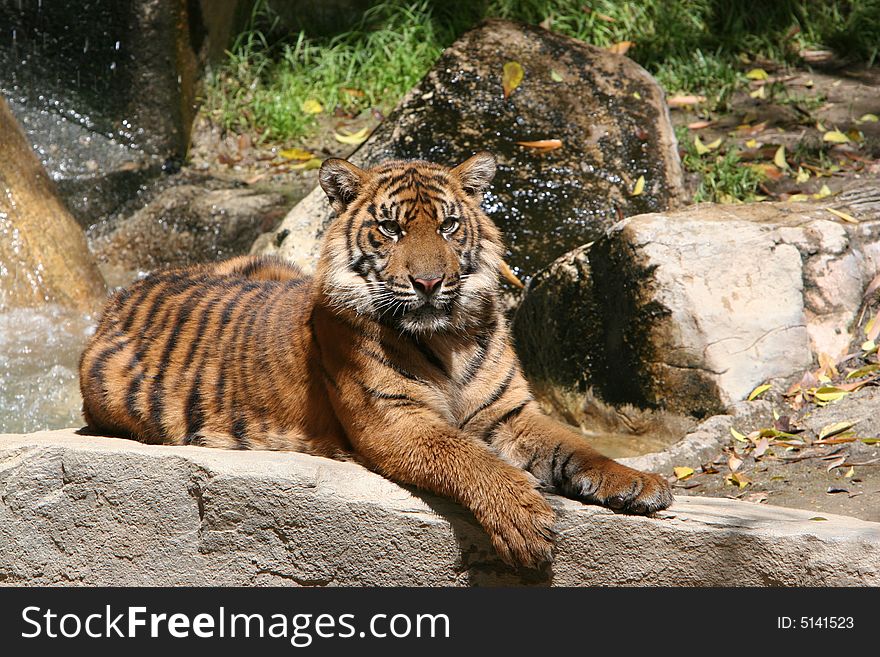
(713, 145)
(757, 392)
(640, 186)
(311, 106)
(511, 78)
(737, 435)
(620, 48)
(682, 472)
(848, 218)
(779, 158)
(835, 137)
(823, 192)
(700, 146)
(737, 479)
(757, 74)
(556, 77)
(796, 198)
(863, 371)
(868, 118)
(869, 346)
(829, 394)
(802, 176)
(353, 138)
(833, 429)
(752, 143)
(850, 472)
(296, 154)
(314, 163)
(759, 93)
(637, 95)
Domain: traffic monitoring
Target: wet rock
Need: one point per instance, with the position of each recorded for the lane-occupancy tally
(106, 91)
(696, 308)
(608, 112)
(186, 224)
(44, 257)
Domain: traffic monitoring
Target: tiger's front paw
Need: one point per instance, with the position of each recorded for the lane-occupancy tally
(519, 523)
(621, 488)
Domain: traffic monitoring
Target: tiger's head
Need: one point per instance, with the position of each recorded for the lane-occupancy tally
(411, 246)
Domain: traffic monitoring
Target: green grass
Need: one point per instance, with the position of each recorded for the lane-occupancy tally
(723, 177)
(691, 46)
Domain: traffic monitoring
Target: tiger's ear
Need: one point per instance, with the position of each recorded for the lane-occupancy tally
(341, 181)
(476, 173)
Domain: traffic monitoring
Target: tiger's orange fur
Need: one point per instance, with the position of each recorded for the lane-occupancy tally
(395, 353)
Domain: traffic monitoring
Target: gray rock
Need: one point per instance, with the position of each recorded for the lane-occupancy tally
(101, 511)
(106, 91)
(186, 224)
(545, 202)
(691, 310)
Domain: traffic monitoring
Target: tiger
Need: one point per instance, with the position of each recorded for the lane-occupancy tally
(395, 353)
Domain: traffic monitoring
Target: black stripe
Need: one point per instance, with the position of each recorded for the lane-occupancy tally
(494, 397)
(534, 457)
(379, 394)
(393, 366)
(561, 478)
(239, 432)
(320, 354)
(430, 356)
(483, 340)
(509, 415)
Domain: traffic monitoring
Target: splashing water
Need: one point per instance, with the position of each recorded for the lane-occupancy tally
(39, 354)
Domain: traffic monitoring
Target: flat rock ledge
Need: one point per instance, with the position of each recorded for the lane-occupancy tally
(101, 511)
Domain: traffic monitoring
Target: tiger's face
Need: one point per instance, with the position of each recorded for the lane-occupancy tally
(410, 246)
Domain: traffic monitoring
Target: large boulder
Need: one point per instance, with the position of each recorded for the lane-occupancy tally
(104, 511)
(691, 310)
(196, 221)
(43, 252)
(609, 113)
(106, 90)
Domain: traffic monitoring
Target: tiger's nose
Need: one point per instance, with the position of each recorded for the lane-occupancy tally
(426, 284)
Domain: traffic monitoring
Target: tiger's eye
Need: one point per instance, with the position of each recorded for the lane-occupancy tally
(449, 226)
(389, 228)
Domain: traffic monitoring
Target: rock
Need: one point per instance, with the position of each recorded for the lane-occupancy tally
(102, 511)
(43, 252)
(106, 93)
(546, 202)
(186, 224)
(691, 310)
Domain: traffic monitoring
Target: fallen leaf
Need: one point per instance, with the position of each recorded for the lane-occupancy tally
(840, 439)
(738, 479)
(511, 78)
(757, 74)
(556, 77)
(543, 144)
(849, 473)
(296, 154)
(835, 137)
(682, 472)
(311, 106)
(836, 462)
(868, 118)
(818, 518)
(824, 192)
(751, 143)
(869, 346)
(835, 428)
(760, 92)
(351, 91)
(637, 95)
(509, 276)
(737, 435)
(761, 447)
(779, 158)
(734, 462)
(699, 125)
(843, 215)
(314, 163)
(863, 371)
(621, 47)
(872, 328)
(604, 17)
(685, 101)
(353, 138)
(640, 186)
(759, 391)
(802, 176)
(700, 146)
(874, 285)
(829, 394)
(870, 441)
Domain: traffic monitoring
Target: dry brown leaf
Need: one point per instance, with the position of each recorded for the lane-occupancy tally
(685, 101)
(761, 447)
(509, 276)
(734, 462)
(542, 144)
(621, 47)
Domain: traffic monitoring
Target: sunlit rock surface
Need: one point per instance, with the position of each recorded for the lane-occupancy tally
(103, 511)
(608, 112)
(691, 310)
